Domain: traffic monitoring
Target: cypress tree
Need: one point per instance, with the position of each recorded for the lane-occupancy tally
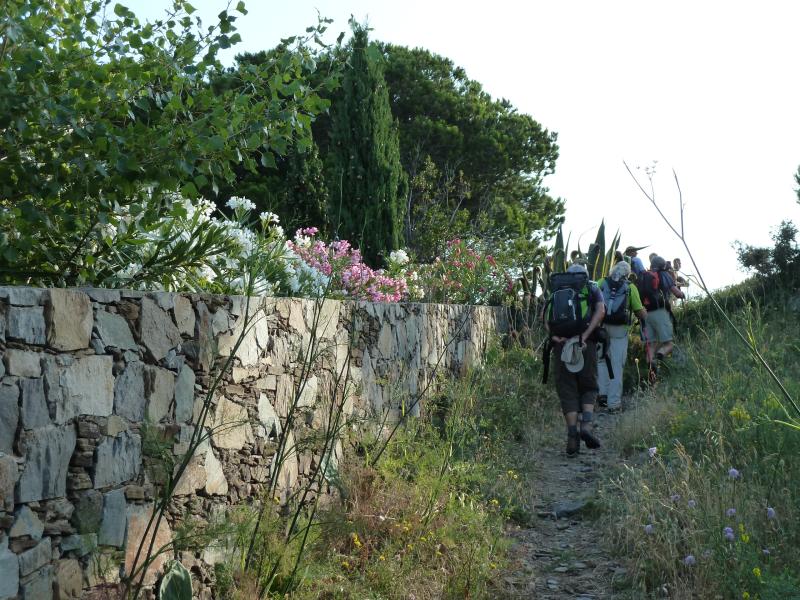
(367, 182)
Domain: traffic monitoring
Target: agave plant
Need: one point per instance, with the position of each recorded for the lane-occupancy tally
(599, 258)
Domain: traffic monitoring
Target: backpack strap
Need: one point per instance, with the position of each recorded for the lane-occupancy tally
(546, 351)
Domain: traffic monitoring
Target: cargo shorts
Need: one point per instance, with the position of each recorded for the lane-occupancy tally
(576, 389)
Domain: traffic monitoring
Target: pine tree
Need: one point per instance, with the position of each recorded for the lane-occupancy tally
(367, 182)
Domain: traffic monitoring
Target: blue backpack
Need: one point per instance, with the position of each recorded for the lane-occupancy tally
(615, 297)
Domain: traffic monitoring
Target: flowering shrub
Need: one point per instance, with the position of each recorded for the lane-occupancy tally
(462, 275)
(337, 270)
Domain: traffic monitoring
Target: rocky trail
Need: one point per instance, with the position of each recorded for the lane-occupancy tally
(561, 554)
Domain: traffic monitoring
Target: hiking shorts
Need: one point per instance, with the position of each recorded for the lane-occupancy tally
(658, 326)
(576, 389)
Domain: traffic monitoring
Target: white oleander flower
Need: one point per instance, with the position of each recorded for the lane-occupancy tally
(399, 257)
(239, 202)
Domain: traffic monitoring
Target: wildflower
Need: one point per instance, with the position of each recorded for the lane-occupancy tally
(399, 257)
(757, 572)
(689, 560)
(771, 513)
(652, 451)
(691, 504)
(707, 553)
(381, 557)
(410, 546)
(765, 551)
(733, 473)
(728, 533)
(269, 217)
(356, 541)
(494, 502)
(649, 529)
(492, 565)
(675, 497)
(731, 512)
(745, 595)
(345, 564)
(239, 202)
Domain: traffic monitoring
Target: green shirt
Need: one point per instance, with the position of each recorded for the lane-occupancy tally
(634, 300)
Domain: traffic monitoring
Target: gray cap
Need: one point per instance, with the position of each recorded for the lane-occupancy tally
(657, 263)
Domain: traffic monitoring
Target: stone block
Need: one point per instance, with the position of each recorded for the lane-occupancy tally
(47, 455)
(9, 473)
(9, 567)
(86, 388)
(114, 331)
(184, 315)
(117, 459)
(156, 329)
(138, 517)
(231, 425)
(21, 296)
(268, 418)
(23, 363)
(34, 411)
(129, 392)
(308, 392)
(35, 558)
(102, 296)
(88, 512)
(80, 544)
(184, 394)
(160, 390)
(69, 580)
(9, 416)
(38, 585)
(26, 523)
(115, 425)
(115, 519)
(193, 478)
(216, 483)
(26, 324)
(69, 319)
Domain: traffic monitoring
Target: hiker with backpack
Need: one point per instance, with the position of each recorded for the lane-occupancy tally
(636, 263)
(621, 301)
(573, 314)
(656, 286)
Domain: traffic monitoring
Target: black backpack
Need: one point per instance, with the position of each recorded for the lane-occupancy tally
(615, 297)
(568, 310)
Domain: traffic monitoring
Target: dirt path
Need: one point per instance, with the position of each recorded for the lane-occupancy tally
(561, 554)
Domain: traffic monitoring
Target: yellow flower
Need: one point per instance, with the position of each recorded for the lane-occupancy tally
(410, 546)
(745, 595)
(739, 412)
(345, 564)
(423, 539)
(494, 502)
(381, 557)
(757, 572)
(745, 538)
(492, 566)
(356, 541)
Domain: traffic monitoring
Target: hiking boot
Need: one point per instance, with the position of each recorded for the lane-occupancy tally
(602, 401)
(615, 408)
(589, 438)
(573, 445)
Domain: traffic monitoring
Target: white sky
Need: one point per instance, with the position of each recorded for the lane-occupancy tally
(709, 88)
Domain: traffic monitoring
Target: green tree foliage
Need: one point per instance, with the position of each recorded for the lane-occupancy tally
(780, 263)
(366, 178)
(100, 113)
(293, 186)
(500, 155)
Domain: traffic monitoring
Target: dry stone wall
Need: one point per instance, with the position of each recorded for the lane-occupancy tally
(87, 375)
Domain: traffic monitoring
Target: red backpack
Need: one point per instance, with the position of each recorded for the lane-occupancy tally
(651, 290)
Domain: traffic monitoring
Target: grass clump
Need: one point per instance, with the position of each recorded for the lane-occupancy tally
(709, 506)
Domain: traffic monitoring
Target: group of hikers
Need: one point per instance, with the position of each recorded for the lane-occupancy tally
(586, 320)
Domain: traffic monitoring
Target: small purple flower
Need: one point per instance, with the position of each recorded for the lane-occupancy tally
(675, 497)
(771, 513)
(691, 504)
(733, 473)
(731, 512)
(707, 553)
(728, 533)
(652, 451)
(689, 560)
(649, 529)
(765, 552)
